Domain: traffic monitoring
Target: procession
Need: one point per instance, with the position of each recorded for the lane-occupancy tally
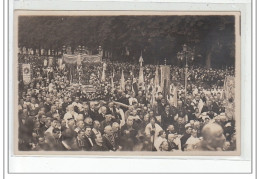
(126, 83)
(74, 104)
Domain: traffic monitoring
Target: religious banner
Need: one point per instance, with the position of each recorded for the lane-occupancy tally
(173, 98)
(122, 81)
(45, 62)
(112, 80)
(156, 79)
(103, 77)
(67, 58)
(165, 79)
(229, 88)
(50, 61)
(26, 73)
(60, 63)
(89, 89)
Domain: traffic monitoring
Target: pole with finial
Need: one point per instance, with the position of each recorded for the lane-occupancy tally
(141, 60)
(165, 61)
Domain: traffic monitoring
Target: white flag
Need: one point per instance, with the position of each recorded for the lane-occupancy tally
(122, 84)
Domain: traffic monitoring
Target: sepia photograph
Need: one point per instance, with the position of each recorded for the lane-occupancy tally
(126, 83)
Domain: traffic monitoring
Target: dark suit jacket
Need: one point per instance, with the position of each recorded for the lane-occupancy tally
(111, 145)
(172, 146)
(167, 119)
(88, 145)
(99, 148)
(184, 140)
(94, 115)
(100, 118)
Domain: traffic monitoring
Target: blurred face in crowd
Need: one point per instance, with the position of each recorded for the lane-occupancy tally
(33, 100)
(167, 108)
(151, 114)
(43, 93)
(170, 128)
(63, 123)
(43, 119)
(56, 134)
(163, 135)
(80, 124)
(103, 110)
(188, 130)
(41, 140)
(226, 146)
(171, 137)
(57, 104)
(192, 122)
(36, 124)
(92, 105)
(48, 100)
(56, 116)
(54, 123)
(96, 125)
(108, 130)
(180, 120)
(85, 107)
(71, 124)
(152, 121)
(179, 104)
(163, 101)
(164, 146)
(108, 117)
(115, 127)
(110, 105)
(77, 99)
(88, 121)
(160, 96)
(81, 134)
(134, 112)
(146, 117)
(194, 133)
(28, 99)
(99, 139)
(80, 117)
(213, 135)
(197, 110)
(130, 121)
(53, 108)
(131, 108)
(197, 98)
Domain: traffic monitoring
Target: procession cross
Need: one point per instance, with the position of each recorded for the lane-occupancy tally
(165, 61)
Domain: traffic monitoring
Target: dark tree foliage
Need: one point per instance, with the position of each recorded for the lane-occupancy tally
(157, 37)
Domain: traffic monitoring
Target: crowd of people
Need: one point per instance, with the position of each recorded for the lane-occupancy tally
(57, 113)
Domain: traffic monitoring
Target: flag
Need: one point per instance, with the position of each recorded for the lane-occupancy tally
(112, 80)
(173, 95)
(156, 79)
(229, 87)
(50, 61)
(165, 79)
(141, 77)
(141, 60)
(60, 63)
(134, 86)
(103, 77)
(26, 73)
(154, 89)
(122, 81)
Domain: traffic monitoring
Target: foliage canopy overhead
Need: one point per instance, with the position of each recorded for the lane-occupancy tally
(158, 37)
